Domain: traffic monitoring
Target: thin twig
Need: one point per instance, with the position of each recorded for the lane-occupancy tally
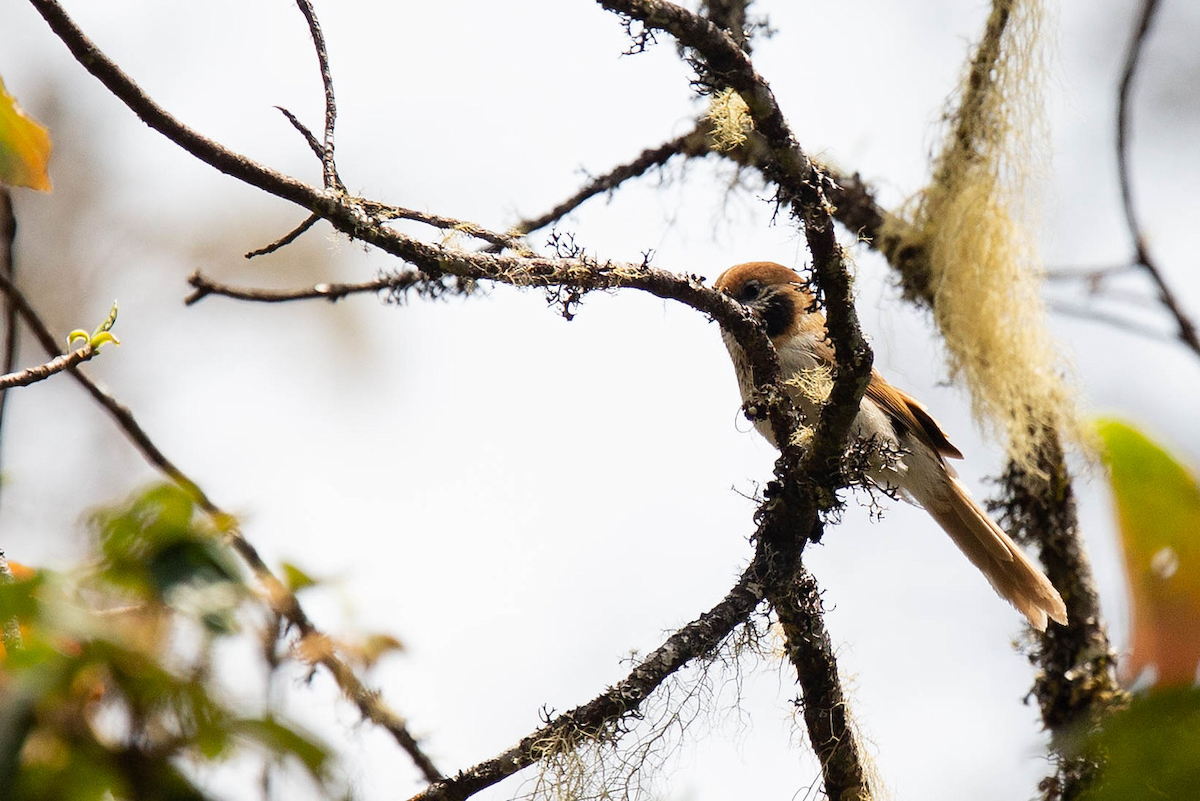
(31, 375)
(205, 286)
(1187, 328)
(1089, 275)
(1120, 322)
(693, 143)
(511, 241)
(313, 144)
(8, 266)
(328, 165)
(287, 239)
(697, 638)
(278, 595)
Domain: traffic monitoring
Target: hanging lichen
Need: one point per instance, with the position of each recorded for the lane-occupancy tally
(966, 240)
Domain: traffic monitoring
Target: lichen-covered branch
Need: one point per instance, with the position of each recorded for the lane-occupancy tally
(805, 484)
(702, 636)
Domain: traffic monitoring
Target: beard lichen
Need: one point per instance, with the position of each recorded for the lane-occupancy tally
(976, 263)
(730, 119)
(625, 757)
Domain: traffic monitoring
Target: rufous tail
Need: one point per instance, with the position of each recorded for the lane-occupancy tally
(1006, 567)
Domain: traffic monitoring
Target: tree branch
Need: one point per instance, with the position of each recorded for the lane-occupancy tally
(205, 286)
(31, 375)
(696, 639)
(1077, 683)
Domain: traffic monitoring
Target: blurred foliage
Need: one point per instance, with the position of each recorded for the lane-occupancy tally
(1158, 515)
(107, 690)
(1152, 749)
(24, 146)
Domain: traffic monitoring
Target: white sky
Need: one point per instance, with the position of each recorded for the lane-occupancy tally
(521, 500)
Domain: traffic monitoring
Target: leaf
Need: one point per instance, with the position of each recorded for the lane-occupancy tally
(295, 578)
(1151, 749)
(1158, 515)
(284, 741)
(24, 146)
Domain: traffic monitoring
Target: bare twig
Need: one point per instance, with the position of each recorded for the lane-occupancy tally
(31, 375)
(1187, 328)
(697, 638)
(8, 266)
(205, 286)
(1120, 322)
(693, 143)
(328, 166)
(313, 144)
(278, 595)
(287, 239)
(1093, 276)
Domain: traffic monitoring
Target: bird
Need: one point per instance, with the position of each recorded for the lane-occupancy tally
(913, 459)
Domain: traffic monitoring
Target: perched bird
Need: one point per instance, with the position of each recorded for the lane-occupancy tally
(919, 448)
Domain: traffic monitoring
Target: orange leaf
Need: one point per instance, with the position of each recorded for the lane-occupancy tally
(1158, 515)
(24, 146)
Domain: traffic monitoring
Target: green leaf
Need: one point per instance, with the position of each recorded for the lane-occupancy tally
(284, 741)
(18, 598)
(1151, 749)
(24, 146)
(296, 579)
(1158, 516)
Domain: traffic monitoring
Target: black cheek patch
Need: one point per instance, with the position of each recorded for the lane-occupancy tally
(776, 311)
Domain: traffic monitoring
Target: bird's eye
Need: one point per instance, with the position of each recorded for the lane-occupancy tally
(750, 292)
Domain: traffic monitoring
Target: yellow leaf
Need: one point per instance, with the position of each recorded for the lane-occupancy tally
(24, 146)
(1158, 515)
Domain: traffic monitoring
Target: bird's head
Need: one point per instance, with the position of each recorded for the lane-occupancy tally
(773, 292)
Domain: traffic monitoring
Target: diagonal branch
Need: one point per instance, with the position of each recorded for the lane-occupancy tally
(287, 239)
(692, 143)
(31, 375)
(696, 639)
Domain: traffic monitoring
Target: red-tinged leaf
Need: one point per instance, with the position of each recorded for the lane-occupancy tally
(1158, 514)
(24, 146)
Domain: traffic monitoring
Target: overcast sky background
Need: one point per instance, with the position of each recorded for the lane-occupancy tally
(525, 501)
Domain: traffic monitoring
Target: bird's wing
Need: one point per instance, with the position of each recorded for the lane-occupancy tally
(909, 414)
